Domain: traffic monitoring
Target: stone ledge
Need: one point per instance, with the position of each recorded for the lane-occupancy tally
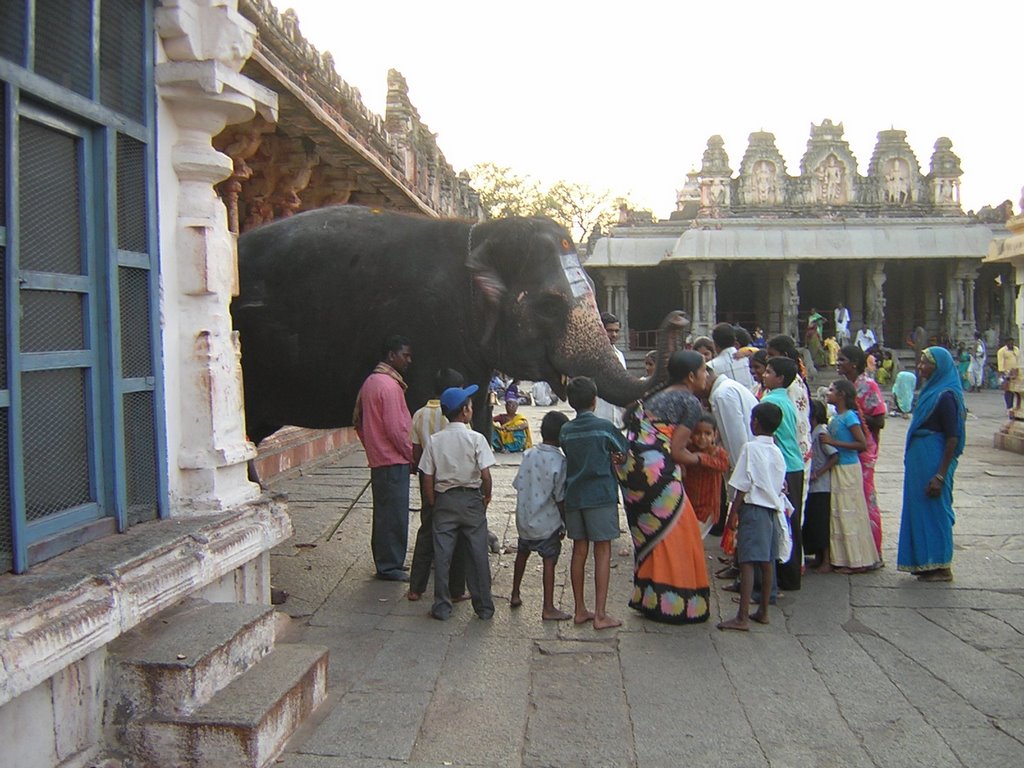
(78, 602)
(1010, 441)
(290, 448)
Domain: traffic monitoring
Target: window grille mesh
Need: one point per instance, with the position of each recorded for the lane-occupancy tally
(3, 155)
(136, 347)
(140, 459)
(56, 441)
(122, 44)
(12, 30)
(131, 195)
(51, 321)
(64, 43)
(6, 534)
(49, 178)
(3, 319)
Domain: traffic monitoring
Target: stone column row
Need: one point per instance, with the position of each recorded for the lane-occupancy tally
(960, 318)
(617, 301)
(699, 283)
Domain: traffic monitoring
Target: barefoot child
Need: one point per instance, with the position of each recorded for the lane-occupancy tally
(540, 509)
(851, 545)
(819, 496)
(758, 479)
(591, 444)
(703, 481)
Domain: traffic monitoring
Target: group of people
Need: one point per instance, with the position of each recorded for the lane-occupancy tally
(729, 416)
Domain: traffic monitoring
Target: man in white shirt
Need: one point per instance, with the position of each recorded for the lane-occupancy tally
(865, 338)
(731, 404)
(725, 363)
(842, 317)
(604, 409)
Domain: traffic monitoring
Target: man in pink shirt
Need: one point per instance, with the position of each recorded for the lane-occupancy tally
(383, 423)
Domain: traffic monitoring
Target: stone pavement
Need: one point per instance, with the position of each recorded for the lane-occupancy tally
(869, 670)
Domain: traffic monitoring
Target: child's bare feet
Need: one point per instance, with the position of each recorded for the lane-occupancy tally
(555, 615)
(823, 568)
(760, 618)
(583, 617)
(607, 622)
(740, 626)
(515, 601)
(412, 596)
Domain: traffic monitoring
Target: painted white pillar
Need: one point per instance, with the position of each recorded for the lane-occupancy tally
(204, 45)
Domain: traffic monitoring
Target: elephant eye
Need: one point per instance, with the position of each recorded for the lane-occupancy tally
(549, 306)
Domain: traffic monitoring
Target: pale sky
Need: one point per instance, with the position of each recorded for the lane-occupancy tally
(623, 96)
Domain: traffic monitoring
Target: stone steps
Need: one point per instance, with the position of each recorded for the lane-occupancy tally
(177, 662)
(204, 684)
(246, 724)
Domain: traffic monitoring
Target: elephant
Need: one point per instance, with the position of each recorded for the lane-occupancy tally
(319, 293)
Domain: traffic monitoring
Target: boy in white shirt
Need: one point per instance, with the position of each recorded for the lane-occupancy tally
(457, 485)
(759, 478)
(540, 495)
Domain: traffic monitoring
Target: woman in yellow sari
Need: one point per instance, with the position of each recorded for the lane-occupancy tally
(511, 429)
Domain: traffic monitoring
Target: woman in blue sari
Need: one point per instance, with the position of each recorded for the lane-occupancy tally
(935, 440)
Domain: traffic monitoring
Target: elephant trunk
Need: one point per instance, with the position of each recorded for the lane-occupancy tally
(586, 351)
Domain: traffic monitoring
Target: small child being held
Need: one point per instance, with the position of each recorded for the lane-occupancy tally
(819, 496)
(540, 511)
(758, 479)
(703, 481)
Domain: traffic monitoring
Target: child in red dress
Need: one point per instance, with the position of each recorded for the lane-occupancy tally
(703, 481)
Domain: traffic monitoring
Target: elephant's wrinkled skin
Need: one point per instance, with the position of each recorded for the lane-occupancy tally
(319, 293)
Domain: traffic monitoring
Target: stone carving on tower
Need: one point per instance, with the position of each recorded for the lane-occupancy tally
(944, 179)
(715, 179)
(894, 176)
(762, 179)
(828, 169)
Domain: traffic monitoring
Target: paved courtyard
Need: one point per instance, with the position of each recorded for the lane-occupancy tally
(868, 670)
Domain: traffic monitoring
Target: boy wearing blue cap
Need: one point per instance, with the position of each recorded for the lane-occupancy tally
(457, 484)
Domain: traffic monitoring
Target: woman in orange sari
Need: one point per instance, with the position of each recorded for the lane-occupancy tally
(669, 576)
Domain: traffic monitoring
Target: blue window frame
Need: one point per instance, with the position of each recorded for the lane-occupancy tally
(81, 399)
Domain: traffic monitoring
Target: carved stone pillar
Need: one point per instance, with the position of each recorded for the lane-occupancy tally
(1010, 251)
(791, 300)
(298, 164)
(875, 311)
(702, 290)
(241, 145)
(960, 320)
(617, 300)
(205, 45)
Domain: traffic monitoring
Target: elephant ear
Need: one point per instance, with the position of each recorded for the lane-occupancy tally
(486, 281)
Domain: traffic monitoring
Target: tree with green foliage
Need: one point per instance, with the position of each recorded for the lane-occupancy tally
(577, 207)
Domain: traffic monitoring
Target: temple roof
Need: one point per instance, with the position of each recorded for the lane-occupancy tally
(807, 240)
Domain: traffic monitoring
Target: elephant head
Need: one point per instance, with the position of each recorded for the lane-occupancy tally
(537, 312)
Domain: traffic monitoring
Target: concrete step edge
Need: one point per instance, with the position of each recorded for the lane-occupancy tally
(179, 660)
(245, 724)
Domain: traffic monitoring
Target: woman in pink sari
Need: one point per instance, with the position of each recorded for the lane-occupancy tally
(851, 364)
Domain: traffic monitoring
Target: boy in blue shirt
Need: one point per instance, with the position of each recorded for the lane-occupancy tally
(591, 444)
(779, 374)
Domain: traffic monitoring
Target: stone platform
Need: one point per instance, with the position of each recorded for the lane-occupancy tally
(870, 670)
